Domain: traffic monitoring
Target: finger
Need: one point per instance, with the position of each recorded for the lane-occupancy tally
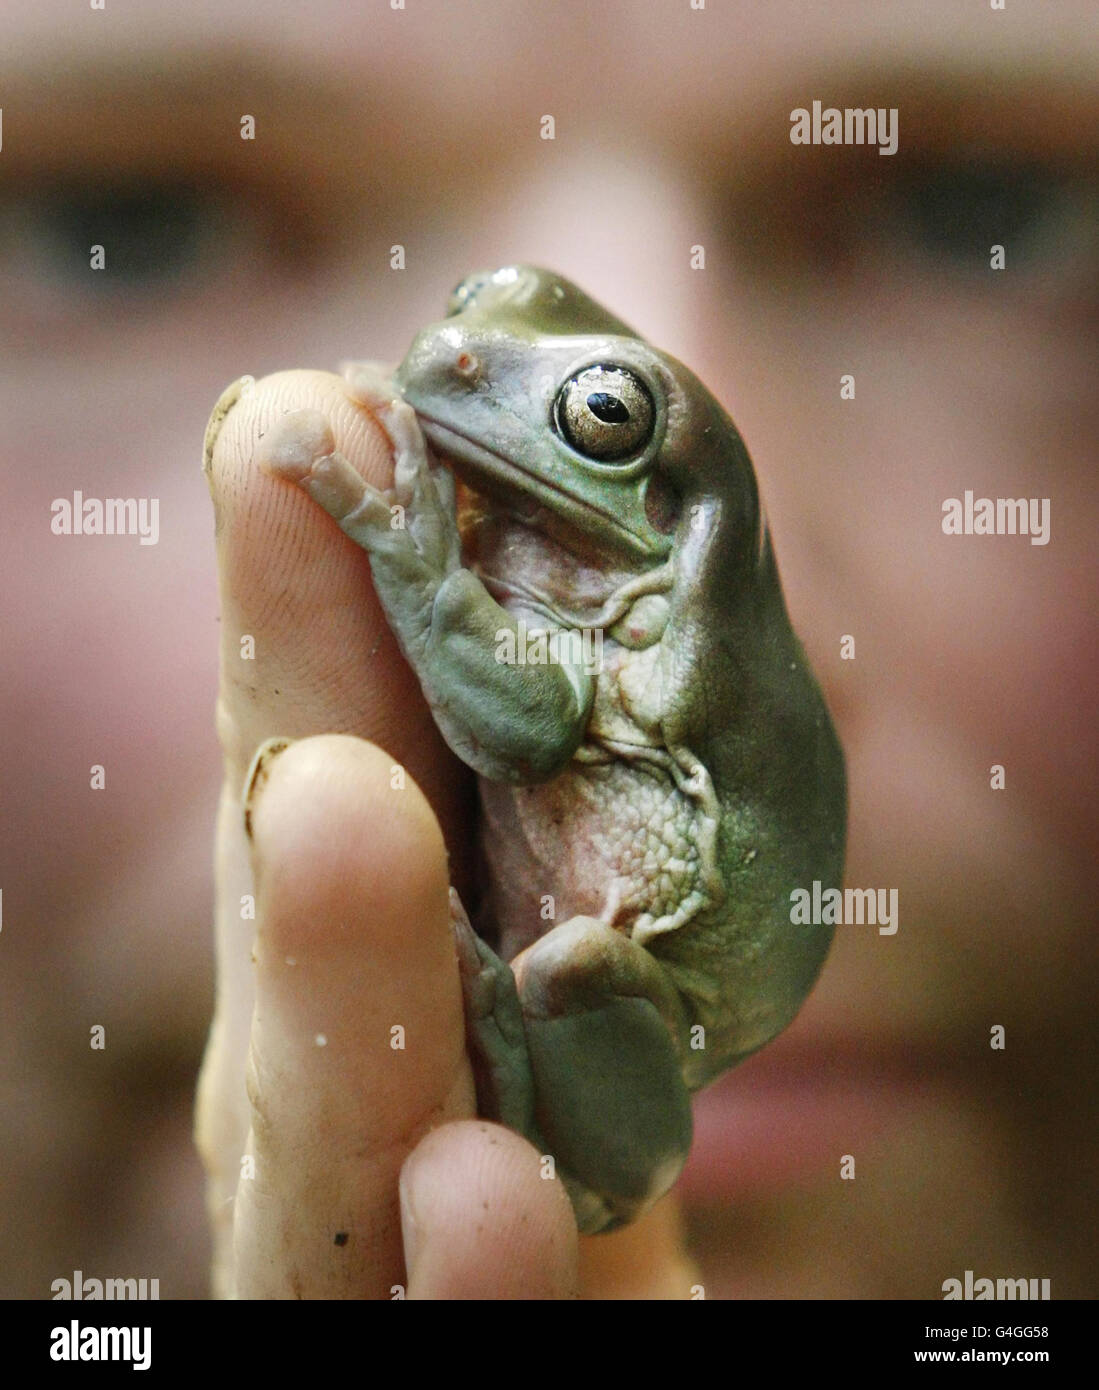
(481, 1219)
(300, 448)
(321, 657)
(305, 649)
(357, 1045)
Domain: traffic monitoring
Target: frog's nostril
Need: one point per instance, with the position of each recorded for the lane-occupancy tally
(467, 366)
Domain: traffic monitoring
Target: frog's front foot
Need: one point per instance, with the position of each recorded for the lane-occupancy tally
(409, 532)
(576, 1049)
(301, 448)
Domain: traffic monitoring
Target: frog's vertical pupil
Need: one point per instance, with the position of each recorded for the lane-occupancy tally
(610, 409)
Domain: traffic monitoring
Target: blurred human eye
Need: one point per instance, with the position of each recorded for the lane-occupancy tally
(125, 246)
(949, 212)
(964, 178)
(124, 236)
(158, 232)
(130, 194)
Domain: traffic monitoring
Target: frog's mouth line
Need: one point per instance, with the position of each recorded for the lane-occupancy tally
(513, 476)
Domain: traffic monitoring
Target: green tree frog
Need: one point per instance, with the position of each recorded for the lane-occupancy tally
(574, 561)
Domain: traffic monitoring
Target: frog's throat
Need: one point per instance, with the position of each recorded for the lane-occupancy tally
(482, 463)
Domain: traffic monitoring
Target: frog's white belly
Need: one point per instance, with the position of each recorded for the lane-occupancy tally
(615, 840)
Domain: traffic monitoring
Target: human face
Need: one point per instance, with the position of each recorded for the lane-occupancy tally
(672, 130)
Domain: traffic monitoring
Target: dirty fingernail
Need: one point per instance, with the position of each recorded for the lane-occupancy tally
(256, 778)
(410, 1228)
(225, 403)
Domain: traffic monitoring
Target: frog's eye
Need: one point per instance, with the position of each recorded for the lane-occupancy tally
(605, 412)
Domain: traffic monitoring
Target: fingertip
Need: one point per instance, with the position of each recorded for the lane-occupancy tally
(319, 804)
(287, 413)
(484, 1216)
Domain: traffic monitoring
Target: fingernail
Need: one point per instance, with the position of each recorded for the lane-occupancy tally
(225, 403)
(258, 773)
(410, 1227)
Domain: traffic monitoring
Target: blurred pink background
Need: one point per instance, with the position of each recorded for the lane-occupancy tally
(421, 127)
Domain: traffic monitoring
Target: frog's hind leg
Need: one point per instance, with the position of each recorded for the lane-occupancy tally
(605, 1030)
(496, 1042)
(579, 1055)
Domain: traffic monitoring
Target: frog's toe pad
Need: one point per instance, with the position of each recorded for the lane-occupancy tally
(294, 443)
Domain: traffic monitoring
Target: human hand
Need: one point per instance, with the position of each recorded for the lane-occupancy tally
(336, 1172)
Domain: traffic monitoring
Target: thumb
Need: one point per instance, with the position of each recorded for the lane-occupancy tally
(481, 1220)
